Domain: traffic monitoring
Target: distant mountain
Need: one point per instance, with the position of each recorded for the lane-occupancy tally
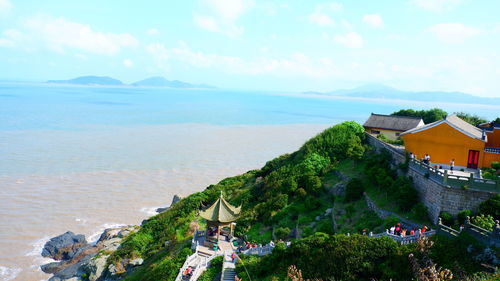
(378, 91)
(90, 80)
(159, 81)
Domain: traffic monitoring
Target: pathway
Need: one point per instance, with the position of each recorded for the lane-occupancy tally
(228, 267)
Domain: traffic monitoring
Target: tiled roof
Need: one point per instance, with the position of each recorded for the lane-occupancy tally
(221, 211)
(392, 122)
(455, 122)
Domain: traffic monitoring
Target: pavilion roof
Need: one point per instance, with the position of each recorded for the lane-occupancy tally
(221, 211)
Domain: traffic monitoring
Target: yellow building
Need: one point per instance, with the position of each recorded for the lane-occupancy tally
(452, 138)
(391, 126)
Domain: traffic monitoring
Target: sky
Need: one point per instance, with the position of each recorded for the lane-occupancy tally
(300, 45)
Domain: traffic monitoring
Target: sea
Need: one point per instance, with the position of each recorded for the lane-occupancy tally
(86, 158)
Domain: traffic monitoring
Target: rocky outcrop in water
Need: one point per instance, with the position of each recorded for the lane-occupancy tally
(64, 246)
(79, 258)
(175, 199)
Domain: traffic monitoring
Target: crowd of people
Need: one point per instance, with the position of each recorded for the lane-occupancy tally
(403, 232)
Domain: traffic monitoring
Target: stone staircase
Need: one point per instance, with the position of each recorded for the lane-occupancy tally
(228, 268)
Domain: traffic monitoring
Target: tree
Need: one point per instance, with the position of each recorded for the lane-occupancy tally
(428, 116)
(354, 190)
(471, 118)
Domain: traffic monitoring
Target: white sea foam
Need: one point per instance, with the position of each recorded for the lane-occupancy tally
(8, 273)
(150, 211)
(95, 236)
(81, 221)
(36, 254)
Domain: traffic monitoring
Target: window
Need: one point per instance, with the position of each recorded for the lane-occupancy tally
(397, 134)
(375, 132)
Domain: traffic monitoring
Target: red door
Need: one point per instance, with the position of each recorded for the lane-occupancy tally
(473, 159)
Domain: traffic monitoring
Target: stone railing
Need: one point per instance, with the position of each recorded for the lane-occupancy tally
(192, 260)
(446, 179)
(261, 251)
(403, 240)
(488, 238)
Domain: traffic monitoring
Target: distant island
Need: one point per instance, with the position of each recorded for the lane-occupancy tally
(155, 81)
(90, 80)
(158, 81)
(378, 91)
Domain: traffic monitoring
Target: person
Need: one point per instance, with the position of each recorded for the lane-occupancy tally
(397, 231)
(427, 159)
(424, 229)
(364, 231)
(412, 156)
(271, 244)
(392, 229)
(461, 227)
(452, 165)
(233, 257)
(412, 231)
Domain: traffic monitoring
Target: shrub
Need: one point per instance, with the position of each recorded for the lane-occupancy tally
(446, 218)
(462, 215)
(491, 206)
(282, 233)
(354, 190)
(495, 165)
(484, 221)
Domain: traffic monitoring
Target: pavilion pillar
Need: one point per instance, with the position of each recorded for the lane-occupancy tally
(218, 233)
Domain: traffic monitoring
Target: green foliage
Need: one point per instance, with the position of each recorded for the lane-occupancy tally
(282, 233)
(312, 184)
(336, 257)
(452, 253)
(428, 116)
(313, 164)
(446, 218)
(471, 118)
(354, 190)
(214, 269)
(484, 221)
(491, 206)
(383, 138)
(339, 142)
(462, 215)
(495, 165)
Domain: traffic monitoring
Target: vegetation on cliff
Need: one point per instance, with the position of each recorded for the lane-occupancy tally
(288, 198)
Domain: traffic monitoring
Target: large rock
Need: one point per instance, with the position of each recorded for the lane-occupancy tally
(111, 233)
(176, 199)
(95, 267)
(64, 246)
(52, 267)
(136, 262)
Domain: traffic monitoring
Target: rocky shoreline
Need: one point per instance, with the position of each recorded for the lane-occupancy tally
(77, 259)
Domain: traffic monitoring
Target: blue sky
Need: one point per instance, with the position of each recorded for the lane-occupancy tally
(450, 45)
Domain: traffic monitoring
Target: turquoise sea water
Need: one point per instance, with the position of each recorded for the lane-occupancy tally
(42, 106)
(85, 158)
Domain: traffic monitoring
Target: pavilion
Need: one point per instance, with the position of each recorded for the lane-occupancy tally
(221, 214)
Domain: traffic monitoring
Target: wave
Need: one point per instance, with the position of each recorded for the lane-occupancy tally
(150, 211)
(8, 273)
(95, 236)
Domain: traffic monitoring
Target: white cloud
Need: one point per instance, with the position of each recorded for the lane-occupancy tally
(128, 63)
(350, 40)
(454, 32)
(321, 19)
(221, 15)
(153, 31)
(59, 34)
(12, 38)
(207, 23)
(321, 16)
(5, 7)
(158, 51)
(374, 20)
(437, 5)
